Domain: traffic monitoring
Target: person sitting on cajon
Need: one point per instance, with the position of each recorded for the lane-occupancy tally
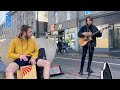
(24, 51)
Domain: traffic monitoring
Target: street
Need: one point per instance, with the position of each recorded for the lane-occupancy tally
(71, 65)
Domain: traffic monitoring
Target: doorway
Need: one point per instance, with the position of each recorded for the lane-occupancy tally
(61, 35)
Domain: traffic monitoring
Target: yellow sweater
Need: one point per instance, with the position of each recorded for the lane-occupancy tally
(22, 46)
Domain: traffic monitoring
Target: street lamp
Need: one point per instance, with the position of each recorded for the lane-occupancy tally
(37, 33)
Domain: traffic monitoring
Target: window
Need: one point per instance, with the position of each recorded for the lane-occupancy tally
(45, 14)
(68, 15)
(56, 16)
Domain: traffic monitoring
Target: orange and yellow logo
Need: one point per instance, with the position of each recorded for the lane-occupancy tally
(25, 70)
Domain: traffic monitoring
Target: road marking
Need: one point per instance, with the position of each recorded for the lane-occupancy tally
(85, 60)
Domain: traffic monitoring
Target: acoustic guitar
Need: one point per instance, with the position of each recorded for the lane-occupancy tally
(85, 39)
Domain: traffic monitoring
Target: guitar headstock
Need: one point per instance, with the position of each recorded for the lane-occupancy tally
(107, 27)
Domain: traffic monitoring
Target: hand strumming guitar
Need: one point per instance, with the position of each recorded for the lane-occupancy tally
(85, 33)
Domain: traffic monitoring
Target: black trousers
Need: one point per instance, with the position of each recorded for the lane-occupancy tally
(84, 52)
(59, 50)
(64, 49)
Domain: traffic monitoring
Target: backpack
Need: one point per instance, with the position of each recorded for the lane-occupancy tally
(41, 55)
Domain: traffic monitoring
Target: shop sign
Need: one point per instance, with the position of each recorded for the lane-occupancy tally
(60, 26)
(52, 27)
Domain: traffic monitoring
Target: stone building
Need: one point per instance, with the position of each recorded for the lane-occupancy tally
(19, 18)
(36, 19)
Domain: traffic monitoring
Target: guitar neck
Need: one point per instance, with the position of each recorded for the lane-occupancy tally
(94, 33)
(99, 31)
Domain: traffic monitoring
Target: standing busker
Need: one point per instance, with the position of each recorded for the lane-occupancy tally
(89, 27)
(23, 50)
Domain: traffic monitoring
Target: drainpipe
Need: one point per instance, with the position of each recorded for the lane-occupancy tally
(37, 33)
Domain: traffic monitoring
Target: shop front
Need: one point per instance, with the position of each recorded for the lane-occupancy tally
(67, 32)
(110, 39)
(103, 41)
(115, 37)
(70, 37)
(66, 35)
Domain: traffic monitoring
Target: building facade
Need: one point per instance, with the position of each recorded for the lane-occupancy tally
(63, 25)
(19, 18)
(2, 30)
(66, 24)
(42, 22)
(36, 19)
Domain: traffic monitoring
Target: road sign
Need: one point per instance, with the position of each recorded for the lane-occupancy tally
(88, 12)
(8, 20)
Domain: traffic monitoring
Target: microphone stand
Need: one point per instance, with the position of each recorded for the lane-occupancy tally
(89, 47)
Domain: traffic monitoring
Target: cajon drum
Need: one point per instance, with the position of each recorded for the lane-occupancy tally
(27, 72)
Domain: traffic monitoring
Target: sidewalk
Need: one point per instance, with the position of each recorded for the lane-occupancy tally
(66, 75)
(76, 76)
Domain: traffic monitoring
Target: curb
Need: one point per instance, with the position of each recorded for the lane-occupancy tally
(111, 57)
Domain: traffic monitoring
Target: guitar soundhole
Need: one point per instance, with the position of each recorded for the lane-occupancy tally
(86, 39)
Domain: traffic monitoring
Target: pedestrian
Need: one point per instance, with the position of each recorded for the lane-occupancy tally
(59, 45)
(65, 47)
(23, 50)
(83, 32)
